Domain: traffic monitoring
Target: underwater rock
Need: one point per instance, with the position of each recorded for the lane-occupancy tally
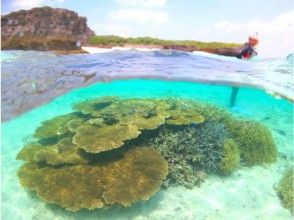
(257, 146)
(134, 177)
(285, 189)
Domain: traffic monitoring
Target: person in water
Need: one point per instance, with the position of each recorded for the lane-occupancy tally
(249, 50)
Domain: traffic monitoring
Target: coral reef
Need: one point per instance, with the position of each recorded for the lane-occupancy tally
(57, 126)
(255, 141)
(94, 106)
(191, 150)
(231, 158)
(285, 189)
(210, 139)
(95, 139)
(180, 157)
(119, 151)
(61, 153)
(135, 176)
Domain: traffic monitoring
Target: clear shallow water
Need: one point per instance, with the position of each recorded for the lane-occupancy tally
(215, 199)
(32, 78)
(246, 194)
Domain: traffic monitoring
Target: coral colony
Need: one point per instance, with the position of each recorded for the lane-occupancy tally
(114, 151)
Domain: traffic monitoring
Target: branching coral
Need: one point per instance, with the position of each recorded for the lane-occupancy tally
(136, 176)
(210, 139)
(191, 150)
(285, 189)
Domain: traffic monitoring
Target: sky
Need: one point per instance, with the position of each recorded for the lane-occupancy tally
(209, 20)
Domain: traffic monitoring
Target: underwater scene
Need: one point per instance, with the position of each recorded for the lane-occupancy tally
(146, 135)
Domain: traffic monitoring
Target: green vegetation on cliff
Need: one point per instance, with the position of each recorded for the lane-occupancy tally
(229, 49)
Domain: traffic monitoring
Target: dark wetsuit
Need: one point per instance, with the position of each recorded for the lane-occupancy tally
(246, 52)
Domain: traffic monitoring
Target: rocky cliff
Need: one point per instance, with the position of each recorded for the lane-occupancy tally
(44, 28)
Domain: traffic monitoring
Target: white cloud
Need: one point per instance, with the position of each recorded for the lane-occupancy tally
(140, 16)
(276, 35)
(282, 23)
(28, 4)
(142, 3)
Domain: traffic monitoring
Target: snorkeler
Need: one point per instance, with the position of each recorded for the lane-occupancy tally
(249, 50)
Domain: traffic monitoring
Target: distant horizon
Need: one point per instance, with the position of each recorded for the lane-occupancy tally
(228, 21)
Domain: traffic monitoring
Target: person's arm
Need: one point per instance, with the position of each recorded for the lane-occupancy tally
(254, 51)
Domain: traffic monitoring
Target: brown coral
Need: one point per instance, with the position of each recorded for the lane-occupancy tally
(143, 113)
(57, 126)
(180, 117)
(94, 106)
(95, 139)
(182, 112)
(137, 175)
(63, 152)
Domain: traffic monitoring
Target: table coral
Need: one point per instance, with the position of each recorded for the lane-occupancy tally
(63, 152)
(136, 176)
(93, 107)
(56, 126)
(95, 139)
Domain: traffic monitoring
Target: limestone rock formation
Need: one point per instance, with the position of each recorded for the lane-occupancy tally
(44, 28)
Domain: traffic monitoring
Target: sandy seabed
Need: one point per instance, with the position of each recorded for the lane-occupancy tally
(246, 194)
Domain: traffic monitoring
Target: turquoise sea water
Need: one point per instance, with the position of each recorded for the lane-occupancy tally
(257, 201)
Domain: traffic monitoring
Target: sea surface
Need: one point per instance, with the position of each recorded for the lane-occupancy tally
(37, 86)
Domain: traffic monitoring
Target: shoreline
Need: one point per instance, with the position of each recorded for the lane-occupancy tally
(96, 48)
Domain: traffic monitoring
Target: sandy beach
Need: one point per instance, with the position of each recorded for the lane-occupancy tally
(100, 49)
